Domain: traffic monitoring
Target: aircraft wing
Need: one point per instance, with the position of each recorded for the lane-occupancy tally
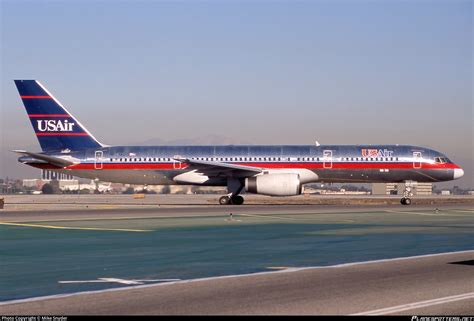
(211, 168)
(56, 161)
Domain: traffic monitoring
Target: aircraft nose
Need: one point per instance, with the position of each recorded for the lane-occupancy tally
(458, 173)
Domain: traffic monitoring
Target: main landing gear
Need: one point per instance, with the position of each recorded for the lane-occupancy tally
(234, 200)
(234, 187)
(407, 193)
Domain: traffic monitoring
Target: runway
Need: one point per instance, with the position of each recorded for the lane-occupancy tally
(198, 259)
(86, 202)
(435, 285)
(51, 207)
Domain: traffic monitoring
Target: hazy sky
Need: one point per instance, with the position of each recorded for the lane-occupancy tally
(340, 72)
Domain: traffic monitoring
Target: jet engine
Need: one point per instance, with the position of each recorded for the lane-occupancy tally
(284, 184)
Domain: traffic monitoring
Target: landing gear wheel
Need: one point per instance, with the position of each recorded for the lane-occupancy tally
(224, 200)
(405, 201)
(237, 200)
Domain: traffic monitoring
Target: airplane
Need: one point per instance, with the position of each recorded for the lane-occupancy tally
(275, 170)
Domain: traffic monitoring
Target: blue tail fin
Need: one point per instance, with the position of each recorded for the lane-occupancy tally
(54, 126)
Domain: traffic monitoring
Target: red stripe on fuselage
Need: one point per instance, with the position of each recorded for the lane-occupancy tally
(48, 115)
(62, 134)
(35, 97)
(321, 166)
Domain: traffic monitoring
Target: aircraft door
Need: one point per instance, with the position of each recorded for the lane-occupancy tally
(417, 156)
(98, 162)
(327, 159)
(177, 164)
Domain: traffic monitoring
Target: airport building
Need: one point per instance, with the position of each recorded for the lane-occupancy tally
(65, 181)
(398, 188)
(49, 176)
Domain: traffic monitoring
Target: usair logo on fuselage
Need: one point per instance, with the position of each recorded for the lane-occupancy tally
(376, 153)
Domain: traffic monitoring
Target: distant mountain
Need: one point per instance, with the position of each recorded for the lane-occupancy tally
(200, 140)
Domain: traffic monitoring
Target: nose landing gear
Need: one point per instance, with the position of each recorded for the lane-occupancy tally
(407, 193)
(405, 201)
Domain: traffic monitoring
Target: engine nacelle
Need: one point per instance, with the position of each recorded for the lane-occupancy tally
(284, 184)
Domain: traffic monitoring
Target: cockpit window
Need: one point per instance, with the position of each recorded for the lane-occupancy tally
(442, 160)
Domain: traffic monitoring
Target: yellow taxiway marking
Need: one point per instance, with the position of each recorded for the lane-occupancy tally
(268, 216)
(81, 219)
(440, 213)
(464, 211)
(107, 206)
(73, 228)
(415, 213)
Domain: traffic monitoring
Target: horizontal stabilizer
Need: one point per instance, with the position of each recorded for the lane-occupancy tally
(56, 161)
